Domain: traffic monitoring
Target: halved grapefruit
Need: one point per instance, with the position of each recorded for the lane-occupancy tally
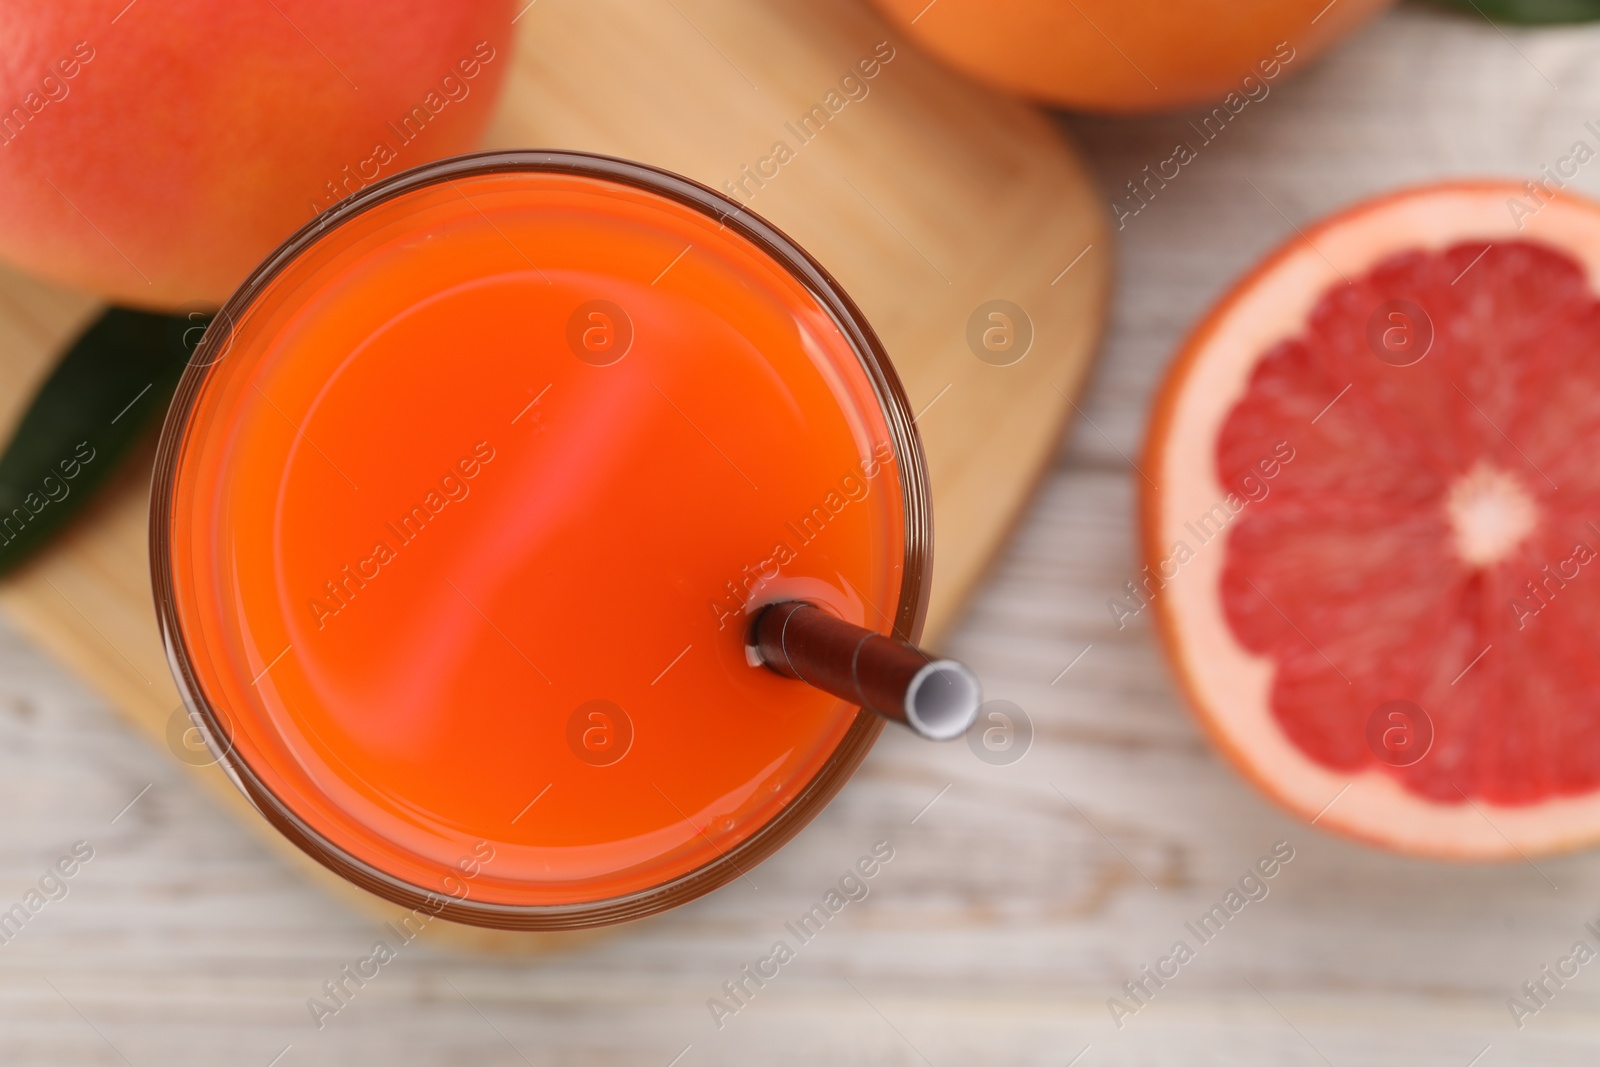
(1372, 542)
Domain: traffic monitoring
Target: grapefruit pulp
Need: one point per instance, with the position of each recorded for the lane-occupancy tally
(1373, 535)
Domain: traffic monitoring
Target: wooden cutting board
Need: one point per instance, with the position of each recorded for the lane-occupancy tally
(927, 198)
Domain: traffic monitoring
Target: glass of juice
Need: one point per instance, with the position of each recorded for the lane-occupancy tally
(462, 514)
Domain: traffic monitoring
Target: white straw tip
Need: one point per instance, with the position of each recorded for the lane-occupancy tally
(942, 700)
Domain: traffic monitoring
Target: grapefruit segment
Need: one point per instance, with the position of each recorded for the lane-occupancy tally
(1375, 515)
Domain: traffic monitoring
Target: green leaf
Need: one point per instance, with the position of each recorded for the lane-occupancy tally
(111, 387)
(1533, 12)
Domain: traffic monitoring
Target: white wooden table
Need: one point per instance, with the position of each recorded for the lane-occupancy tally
(1026, 894)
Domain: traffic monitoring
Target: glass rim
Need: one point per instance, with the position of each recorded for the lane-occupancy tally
(847, 754)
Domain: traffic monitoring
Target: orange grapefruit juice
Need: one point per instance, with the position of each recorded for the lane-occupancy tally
(465, 525)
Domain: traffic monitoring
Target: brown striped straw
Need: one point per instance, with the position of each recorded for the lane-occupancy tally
(937, 698)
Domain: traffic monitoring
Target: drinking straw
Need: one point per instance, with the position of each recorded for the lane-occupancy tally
(937, 698)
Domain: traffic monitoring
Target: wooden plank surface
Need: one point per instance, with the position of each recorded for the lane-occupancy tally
(1026, 894)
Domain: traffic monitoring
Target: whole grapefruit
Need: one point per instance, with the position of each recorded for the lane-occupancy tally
(1373, 525)
(1128, 55)
(154, 152)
